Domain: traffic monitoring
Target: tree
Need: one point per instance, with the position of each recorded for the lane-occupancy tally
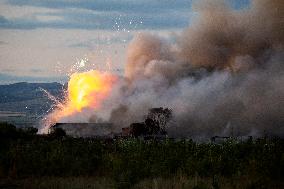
(58, 132)
(138, 129)
(7, 130)
(30, 130)
(158, 118)
(155, 123)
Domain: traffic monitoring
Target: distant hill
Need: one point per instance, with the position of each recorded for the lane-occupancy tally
(28, 97)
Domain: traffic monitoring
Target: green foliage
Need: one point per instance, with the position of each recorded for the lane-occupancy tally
(57, 133)
(7, 130)
(30, 130)
(10, 131)
(130, 161)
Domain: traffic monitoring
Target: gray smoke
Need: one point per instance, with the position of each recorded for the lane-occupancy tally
(224, 75)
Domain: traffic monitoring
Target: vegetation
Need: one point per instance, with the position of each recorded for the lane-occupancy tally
(154, 124)
(31, 160)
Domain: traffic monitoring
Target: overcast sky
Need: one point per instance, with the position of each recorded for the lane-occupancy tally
(43, 40)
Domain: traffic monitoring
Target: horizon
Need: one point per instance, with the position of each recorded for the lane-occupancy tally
(49, 38)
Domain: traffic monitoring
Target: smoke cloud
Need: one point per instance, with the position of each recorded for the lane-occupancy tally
(224, 74)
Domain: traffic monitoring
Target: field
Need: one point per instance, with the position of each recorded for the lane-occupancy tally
(57, 161)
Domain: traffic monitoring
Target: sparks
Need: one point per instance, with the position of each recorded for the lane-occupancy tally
(85, 90)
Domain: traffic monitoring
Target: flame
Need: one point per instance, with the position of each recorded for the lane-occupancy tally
(85, 90)
(89, 89)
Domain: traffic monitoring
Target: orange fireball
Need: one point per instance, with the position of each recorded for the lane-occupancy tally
(88, 89)
(85, 90)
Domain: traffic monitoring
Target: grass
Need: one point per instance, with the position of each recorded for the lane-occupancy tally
(175, 182)
(59, 183)
(54, 161)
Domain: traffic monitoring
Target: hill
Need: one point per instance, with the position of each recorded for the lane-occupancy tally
(28, 98)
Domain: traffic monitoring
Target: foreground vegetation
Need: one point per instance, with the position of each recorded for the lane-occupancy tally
(28, 160)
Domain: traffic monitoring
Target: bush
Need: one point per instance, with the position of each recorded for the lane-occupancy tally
(130, 161)
(7, 130)
(57, 133)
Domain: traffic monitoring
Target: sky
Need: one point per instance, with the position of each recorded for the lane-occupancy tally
(45, 41)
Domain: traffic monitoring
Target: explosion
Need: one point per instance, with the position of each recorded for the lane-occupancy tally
(193, 76)
(86, 90)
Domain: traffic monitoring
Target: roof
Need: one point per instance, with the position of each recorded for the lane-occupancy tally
(86, 129)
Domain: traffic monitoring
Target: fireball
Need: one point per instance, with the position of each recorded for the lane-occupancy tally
(86, 90)
(89, 89)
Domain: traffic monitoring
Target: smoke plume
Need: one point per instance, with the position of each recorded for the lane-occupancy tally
(223, 75)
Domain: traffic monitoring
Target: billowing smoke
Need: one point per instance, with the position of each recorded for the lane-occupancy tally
(223, 75)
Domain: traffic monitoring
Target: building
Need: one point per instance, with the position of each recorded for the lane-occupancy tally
(86, 129)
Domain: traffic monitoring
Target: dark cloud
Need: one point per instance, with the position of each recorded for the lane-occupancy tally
(112, 14)
(76, 19)
(3, 20)
(8, 78)
(124, 6)
(20, 23)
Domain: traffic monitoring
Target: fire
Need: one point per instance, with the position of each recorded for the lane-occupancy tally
(87, 90)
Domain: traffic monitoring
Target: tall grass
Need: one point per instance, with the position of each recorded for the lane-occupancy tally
(128, 163)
